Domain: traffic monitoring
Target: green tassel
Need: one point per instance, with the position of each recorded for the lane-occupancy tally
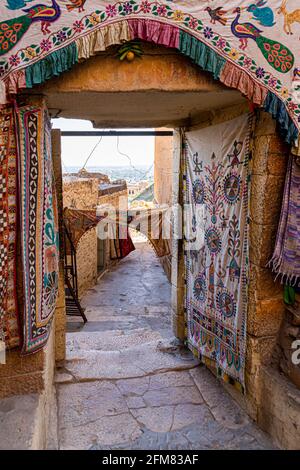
(51, 66)
(289, 295)
(201, 54)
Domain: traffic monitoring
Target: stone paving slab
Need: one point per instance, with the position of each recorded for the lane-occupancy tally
(19, 422)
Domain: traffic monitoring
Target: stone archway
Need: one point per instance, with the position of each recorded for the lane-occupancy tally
(202, 101)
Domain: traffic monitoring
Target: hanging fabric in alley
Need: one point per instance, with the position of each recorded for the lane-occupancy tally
(216, 160)
(250, 46)
(78, 222)
(156, 226)
(9, 328)
(286, 257)
(39, 234)
(121, 243)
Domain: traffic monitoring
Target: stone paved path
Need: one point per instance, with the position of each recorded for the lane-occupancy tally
(127, 384)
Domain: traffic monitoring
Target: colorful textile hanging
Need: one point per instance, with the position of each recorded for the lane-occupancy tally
(39, 235)
(121, 243)
(155, 225)
(9, 328)
(78, 222)
(286, 257)
(216, 160)
(250, 46)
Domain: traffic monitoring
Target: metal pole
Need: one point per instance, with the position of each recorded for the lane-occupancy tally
(115, 133)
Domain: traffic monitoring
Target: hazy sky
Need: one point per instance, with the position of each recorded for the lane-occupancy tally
(75, 150)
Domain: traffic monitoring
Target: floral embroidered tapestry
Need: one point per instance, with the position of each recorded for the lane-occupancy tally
(252, 46)
(216, 160)
(39, 233)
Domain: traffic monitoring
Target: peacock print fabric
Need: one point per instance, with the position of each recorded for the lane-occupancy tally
(251, 45)
(38, 226)
(216, 190)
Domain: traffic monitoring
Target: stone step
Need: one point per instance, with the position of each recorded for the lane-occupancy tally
(135, 361)
(113, 340)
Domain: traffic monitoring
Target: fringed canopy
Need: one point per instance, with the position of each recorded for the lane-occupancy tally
(246, 47)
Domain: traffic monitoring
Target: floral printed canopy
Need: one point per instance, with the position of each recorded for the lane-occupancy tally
(250, 45)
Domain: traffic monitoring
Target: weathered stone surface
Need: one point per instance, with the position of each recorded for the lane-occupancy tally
(280, 408)
(157, 419)
(22, 384)
(265, 317)
(172, 396)
(266, 125)
(262, 243)
(187, 414)
(262, 284)
(170, 379)
(16, 365)
(105, 431)
(83, 404)
(114, 341)
(266, 198)
(135, 402)
(63, 377)
(259, 351)
(221, 405)
(18, 422)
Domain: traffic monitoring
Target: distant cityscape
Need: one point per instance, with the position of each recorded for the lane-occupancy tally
(128, 173)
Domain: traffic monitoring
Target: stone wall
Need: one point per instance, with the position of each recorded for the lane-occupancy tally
(60, 312)
(163, 169)
(80, 193)
(272, 398)
(163, 183)
(114, 199)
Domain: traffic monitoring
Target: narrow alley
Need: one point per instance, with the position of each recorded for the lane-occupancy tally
(127, 383)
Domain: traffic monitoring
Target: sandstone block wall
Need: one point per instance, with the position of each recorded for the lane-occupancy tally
(273, 399)
(114, 199)
(60, 312)
(80, 193)
(163, 169)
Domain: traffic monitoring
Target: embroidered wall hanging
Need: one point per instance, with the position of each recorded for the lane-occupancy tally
(216, 160)
(38, 213)
(251, 46)
(9, 328)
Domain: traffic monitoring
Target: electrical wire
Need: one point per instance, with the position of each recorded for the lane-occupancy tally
(91, 153)
(130, 161)
(142, 173)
